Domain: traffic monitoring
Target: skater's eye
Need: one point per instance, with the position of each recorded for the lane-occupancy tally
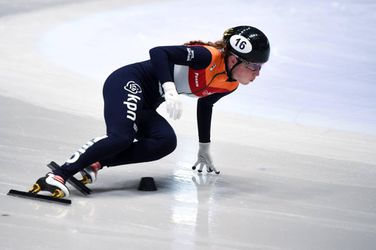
(251, 66)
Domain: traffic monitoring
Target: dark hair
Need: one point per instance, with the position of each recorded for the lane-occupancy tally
(220, 44)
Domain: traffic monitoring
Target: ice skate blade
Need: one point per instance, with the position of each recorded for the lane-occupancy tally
(40, 197)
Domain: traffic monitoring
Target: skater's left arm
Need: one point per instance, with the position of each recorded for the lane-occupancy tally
(204, 118)
(163, 59)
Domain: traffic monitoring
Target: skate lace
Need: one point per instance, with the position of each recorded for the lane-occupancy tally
(59, 179)
(95, 167)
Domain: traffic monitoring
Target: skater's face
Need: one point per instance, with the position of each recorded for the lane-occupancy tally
(245, 72)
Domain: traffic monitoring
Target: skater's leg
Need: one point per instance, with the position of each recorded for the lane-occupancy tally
(121, 108)
(155, 139)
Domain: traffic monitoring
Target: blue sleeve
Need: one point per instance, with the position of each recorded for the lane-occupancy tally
(204, 114)
(164, 58)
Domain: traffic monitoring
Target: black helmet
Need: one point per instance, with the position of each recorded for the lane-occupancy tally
(248, 43)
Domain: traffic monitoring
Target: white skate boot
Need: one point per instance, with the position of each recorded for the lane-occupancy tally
(89, 174)
(54, 184)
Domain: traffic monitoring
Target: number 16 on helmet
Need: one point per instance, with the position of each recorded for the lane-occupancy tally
(248, 43)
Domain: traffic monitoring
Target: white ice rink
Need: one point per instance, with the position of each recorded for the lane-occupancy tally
(296, 148)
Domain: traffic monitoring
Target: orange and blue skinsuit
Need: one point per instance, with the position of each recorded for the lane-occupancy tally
(135, 132)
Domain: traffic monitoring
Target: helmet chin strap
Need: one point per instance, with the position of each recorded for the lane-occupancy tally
(229, 71)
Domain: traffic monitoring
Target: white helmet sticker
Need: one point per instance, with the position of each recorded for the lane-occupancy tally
(241, 44)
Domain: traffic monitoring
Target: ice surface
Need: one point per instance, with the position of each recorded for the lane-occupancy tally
(295, 148)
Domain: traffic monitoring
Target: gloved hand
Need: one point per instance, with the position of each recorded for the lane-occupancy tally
(173, 104)
(204, 159)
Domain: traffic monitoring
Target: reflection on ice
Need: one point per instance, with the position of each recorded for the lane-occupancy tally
(184, 206)
(194, 201)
